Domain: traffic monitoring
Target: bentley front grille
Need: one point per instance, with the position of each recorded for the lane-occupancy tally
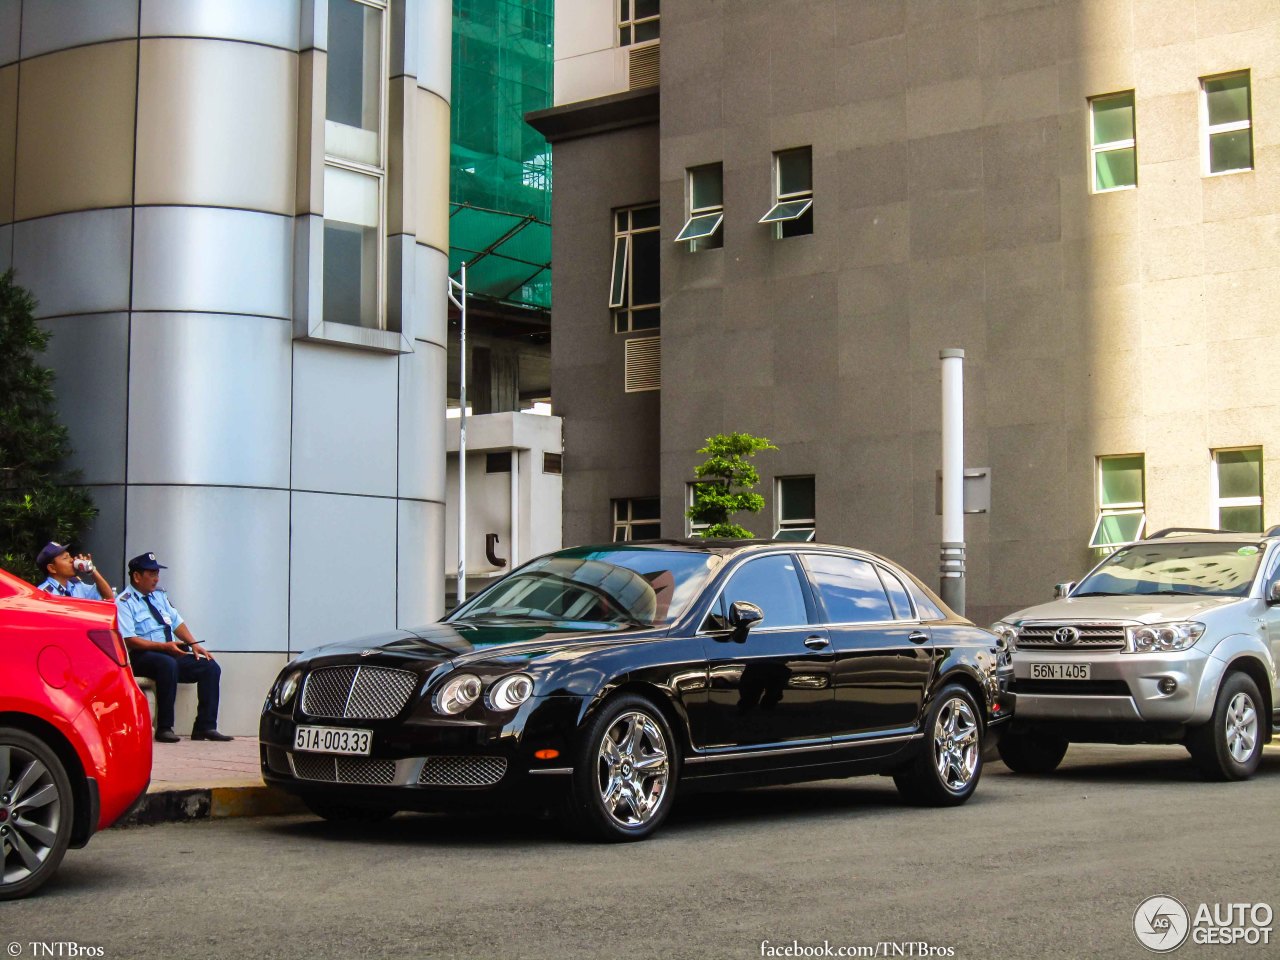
(362, 770)
(357, 693)
(462, 771)
(1077, 638)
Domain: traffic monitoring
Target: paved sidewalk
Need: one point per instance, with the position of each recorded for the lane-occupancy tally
(198, 779)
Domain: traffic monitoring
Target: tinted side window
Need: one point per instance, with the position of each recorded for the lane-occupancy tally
(928, 609)
(898, 598)
(850, 589)
(773, 585)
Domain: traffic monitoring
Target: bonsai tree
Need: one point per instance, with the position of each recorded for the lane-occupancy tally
(727, 480)
(38, 501)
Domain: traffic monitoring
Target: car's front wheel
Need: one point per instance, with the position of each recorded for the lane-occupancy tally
(624, 774)
(1029, 751)
(36, 812)
(945, 773)
(1229, 746)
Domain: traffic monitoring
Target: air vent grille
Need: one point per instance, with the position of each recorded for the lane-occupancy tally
(644, 66)
(643, 364)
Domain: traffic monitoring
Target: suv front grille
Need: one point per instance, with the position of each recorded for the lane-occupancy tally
(1093, 636)
(357, 693)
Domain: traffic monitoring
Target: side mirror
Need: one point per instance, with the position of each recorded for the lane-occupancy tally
(742, 615)
(1061, 590)
(1273, 593)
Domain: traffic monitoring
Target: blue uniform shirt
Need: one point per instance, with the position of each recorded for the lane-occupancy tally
(136, 619)
(74, 588)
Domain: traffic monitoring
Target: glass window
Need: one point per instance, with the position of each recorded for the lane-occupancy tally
(850, 589)
(705, 203)
(1115, 161)
(637, 519)
(1227, 113)
(796, 509)
(773, 585)
(898, 598)
(637, 21)
(792, 210)
(1121, 501)
(1172, 567)
(692, 528)
(1237, 493)
(636, 288)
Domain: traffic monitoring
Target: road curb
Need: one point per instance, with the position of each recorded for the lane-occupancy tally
(209, 803)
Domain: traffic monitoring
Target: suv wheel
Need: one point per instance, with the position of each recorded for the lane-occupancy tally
(945, 772)
(36, 812)
(1032, 752)
(1229, 746)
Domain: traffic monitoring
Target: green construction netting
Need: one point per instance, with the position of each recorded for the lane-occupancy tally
(500, 167)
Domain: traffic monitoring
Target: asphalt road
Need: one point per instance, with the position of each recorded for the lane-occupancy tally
(1031, 867)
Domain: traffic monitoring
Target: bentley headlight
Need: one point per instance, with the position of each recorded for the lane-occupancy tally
(288, 687)
(1162, 637)
(509, 692)
(1007, 633)
(458, 694)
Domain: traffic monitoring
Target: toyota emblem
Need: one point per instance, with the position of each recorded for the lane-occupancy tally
(1066, 636)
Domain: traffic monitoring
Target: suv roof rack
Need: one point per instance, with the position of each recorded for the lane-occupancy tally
(1272, 532)
(1170, 531)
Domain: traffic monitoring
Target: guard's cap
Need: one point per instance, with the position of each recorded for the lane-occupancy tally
(48, 553)
(145, 561)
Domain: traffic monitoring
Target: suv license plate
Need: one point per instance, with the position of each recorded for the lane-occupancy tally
(1059, 671)
(333, 740)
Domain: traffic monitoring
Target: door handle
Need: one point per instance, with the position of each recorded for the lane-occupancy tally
(918, 637)
(816, 642)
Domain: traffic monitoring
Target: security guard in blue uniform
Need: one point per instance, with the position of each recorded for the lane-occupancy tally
(149, 624)
(63, 579)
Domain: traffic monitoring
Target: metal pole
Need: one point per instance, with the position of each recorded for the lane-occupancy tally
(952, 580)
(459, 287)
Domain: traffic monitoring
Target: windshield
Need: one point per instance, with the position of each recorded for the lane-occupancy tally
(1196, 569)
(643, 587)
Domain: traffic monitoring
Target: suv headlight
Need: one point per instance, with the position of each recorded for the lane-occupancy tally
(1159, 637)
(288, 687)
(1007, 633)
(458, 694)
(509, 692)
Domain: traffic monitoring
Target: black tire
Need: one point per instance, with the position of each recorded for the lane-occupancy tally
(946, 770)
(640, 778)
(1223, 748)
(1032, 751)
(338, 812)
(37, 811)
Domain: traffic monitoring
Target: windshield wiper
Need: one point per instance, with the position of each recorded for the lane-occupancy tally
(1098, 593)
(1171, 593)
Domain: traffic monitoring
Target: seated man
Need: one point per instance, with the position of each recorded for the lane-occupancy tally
(148, 623)
(63, 579)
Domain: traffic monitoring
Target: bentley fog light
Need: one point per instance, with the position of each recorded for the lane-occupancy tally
(509, 692)
(1162, 637)
(458, 694)
(288, 687)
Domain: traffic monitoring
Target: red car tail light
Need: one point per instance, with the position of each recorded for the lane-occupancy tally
(111, 643)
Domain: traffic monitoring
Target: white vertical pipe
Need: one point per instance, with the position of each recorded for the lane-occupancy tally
(952, 566)
(462, 447)
(513, 549)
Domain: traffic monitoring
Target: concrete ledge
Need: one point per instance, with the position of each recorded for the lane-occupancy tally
(206, 803)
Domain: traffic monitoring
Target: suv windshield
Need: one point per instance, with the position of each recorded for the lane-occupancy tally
(1197, 569)
(639, 586)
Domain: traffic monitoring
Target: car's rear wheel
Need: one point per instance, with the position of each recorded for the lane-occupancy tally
(945, 773)
(624, 774)
(36, 812)
(339, 812)
(1031, 751)
(1229, 746)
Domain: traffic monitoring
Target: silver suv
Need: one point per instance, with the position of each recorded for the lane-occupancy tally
(1173, 639)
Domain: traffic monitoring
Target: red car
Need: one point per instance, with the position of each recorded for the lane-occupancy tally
(75, 734)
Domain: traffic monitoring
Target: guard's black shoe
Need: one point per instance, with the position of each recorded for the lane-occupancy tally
(209, 735)
(166, 735)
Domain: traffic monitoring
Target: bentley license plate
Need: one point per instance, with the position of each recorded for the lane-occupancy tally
(333, 740)
(1059, 671)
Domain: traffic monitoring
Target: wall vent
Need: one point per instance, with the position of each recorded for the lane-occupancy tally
(644, 66)
(643, 364)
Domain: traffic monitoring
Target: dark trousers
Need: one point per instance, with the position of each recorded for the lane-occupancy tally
(168, 671)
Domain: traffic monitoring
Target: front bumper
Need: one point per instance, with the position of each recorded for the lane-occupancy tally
(1122, 687)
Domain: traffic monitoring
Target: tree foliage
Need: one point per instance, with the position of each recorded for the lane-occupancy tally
(38, 502)
(727, 479)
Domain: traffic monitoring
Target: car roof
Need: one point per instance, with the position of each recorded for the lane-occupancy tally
(722, 548)
(1207, 536)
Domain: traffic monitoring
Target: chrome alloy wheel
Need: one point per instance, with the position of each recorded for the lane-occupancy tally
(955, 744)
(30, 812)
(1241, 727)
(632, 769)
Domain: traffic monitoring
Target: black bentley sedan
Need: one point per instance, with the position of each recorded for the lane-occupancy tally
(602, 680)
